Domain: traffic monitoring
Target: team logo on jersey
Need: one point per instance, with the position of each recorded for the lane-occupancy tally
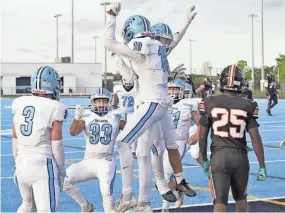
(109, 159)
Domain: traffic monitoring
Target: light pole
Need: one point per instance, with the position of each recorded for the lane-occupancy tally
(262, 43)
(95, 38)
(57, 16)
(72, 31)
(105, 57)
(252, 46)
(190, 63)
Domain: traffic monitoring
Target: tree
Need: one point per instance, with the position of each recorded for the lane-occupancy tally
(280, 60)
(242, 64)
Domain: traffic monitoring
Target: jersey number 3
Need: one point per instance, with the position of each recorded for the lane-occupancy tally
(229, 117)
(95, 130)
(27, 127)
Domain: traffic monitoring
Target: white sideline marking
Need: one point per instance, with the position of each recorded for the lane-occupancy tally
(232, 201)
(68, 152)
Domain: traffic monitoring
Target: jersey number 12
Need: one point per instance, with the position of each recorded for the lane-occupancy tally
(237, 125)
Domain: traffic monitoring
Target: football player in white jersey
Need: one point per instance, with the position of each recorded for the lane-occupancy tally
(101, 127)
(184, 111)
(150, 58)
(37, 142)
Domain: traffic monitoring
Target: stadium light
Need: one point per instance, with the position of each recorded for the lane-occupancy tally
(95, 38)
(262, 43)
(72, 31)
(104, 3)
(56, 17)
(252, 16)
(190, 63)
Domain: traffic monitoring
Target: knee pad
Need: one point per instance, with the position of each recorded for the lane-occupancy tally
(26, 207)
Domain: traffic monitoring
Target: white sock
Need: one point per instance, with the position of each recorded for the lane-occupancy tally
(127, 164)
(157, 164)
(179, 177)
(145, 178)
(165, 204)
(108, 201)
(74, 192)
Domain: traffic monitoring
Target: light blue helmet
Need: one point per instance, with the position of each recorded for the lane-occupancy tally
(101, 107)
(188, 91)
(176, 89)
(46, 81)
(136, 26)
(163, 33)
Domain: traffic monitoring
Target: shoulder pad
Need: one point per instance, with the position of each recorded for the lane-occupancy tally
(202, 105)
(140, 45)
(255, 109)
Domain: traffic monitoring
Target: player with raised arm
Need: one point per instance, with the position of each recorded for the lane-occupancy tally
(101, 127)
(150, 59)
(229, 116)
(37, 142)
(272, 93)
(183, 112)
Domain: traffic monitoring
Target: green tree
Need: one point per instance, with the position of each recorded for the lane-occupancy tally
(280, 60)
(242, 64)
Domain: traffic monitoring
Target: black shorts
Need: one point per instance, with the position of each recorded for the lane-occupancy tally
(229, 168)
(273, 97)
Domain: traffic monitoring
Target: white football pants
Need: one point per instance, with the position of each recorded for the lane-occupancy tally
(37, 178)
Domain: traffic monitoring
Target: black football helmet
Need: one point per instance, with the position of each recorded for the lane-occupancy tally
(232, 79)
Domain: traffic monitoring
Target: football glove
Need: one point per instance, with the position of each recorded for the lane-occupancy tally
(61, 176)
(261, 176)
(191, 14)
(206, 168)
(114, 5)
(79, 111)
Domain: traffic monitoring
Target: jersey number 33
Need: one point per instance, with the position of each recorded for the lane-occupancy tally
(95, 132)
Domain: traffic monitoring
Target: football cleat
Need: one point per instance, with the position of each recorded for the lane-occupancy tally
(184, 187)
(169, 196)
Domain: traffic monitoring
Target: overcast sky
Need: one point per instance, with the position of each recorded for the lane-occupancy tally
(222, 29)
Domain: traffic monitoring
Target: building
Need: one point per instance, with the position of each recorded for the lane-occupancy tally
(80, 78)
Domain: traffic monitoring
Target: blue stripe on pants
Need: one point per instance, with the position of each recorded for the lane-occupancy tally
(51, 185)
(141, 123)
(154, 150)
(113, 181)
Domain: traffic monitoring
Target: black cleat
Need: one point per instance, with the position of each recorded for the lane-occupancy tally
(184, 187)
(268, 112)
(169, 196)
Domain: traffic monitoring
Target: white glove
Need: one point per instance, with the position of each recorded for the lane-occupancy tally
(15, 177)
(79, 111)
(114, 5)
(191, 14)
(61, 176)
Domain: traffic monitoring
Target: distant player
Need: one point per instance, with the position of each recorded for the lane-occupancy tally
(206, 89)
(101, 127)
(282, 144)
(246, 92)
(183, 112)
(229, 116)
(150, 59)
(37, 142)
(272, 93)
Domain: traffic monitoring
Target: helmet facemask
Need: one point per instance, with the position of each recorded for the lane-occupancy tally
(164, 39)
(128, 86)
(175, 93)
(101, 106)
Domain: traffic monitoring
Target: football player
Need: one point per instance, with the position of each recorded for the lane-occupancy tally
(246, 92)
(271, 93)
(37, 142)
(150, 58)
(183, 112)
(101, 127)
(229, 116)
(206, 89)
(282, 144)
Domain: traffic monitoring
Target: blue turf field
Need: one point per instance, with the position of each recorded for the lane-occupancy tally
(272, 131)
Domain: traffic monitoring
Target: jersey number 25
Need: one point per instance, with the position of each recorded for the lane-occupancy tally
(229, 117)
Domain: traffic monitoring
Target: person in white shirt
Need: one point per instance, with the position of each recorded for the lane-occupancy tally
(37, 142)
(101, 127)
(150, 59)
